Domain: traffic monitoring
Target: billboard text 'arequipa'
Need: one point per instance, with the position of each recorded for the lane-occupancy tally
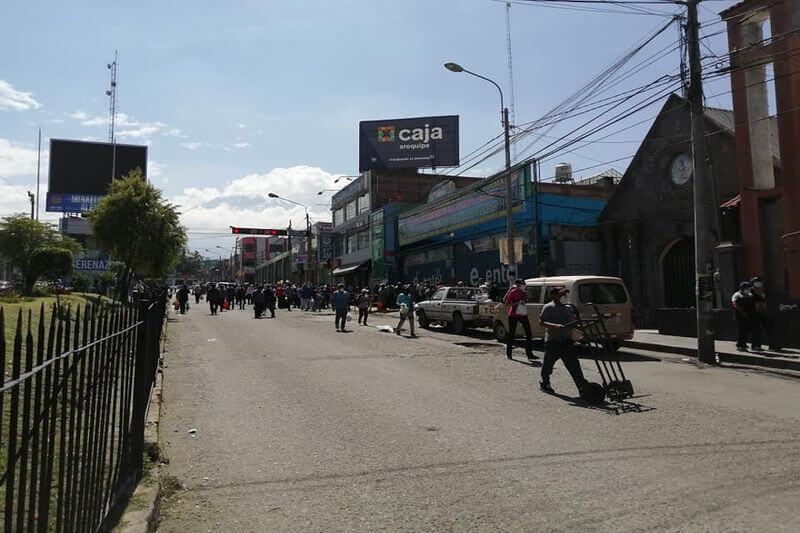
(408, 143)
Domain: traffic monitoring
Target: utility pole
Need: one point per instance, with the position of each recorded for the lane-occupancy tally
(512, 263)
(31, 197)
(703, 210)
(38, 167)
(308, 250)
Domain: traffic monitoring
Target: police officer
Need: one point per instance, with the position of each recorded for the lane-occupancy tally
(558, 318)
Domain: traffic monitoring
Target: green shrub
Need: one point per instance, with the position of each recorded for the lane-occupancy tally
(81, 282)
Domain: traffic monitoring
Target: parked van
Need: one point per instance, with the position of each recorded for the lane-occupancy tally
(609, 294)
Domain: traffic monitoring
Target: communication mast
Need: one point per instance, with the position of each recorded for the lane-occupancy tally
(112, 97)
(510, 72)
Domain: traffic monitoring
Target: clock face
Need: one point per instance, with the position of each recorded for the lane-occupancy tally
(680, 169)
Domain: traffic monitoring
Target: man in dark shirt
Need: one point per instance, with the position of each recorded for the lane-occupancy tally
(558, 318)
(744, 305)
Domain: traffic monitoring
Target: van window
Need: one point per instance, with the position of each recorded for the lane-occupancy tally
(602, 293)
(438, 295)
(549, 291)
(534, 294)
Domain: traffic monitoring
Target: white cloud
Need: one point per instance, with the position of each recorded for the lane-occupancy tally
(241, 145)
(14, 199)
(193, 145)
(11, 98)
(245, 202)
(154, 169)
(125, 125)
(19, 160)
(175, 132)
(241, 126)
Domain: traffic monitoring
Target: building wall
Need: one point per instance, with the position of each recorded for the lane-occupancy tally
(649, 213)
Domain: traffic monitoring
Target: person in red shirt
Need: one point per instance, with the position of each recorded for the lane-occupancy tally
(515, 300)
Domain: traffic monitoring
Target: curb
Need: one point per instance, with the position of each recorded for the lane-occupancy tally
(742, 358)
(147, 519)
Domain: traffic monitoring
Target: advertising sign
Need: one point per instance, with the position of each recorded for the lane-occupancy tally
(408, 143)
(91, 261)
(476, 205)
(71, 203)
(80, 171)
(324, 241)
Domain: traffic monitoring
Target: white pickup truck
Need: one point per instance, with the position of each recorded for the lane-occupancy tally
(458, 307)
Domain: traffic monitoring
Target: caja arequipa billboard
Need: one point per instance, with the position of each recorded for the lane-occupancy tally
(81, 171)
(408, 143)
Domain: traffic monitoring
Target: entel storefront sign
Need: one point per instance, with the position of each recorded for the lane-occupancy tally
(475, 205)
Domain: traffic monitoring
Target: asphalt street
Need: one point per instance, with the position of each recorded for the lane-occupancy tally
(301, 428)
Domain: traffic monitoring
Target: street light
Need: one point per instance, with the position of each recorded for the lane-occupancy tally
(455, 67)
(308, 232)
(323, 191)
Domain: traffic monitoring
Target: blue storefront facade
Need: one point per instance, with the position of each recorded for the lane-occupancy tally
(458, 238)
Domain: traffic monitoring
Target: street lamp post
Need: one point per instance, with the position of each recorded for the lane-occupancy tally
(308, 232)
(455, 67)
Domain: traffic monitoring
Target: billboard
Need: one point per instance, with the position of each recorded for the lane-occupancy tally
(475, 205)
(80, 171)
(408, 143)
(324, 241)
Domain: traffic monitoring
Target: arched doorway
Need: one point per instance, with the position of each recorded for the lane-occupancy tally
(679, 274)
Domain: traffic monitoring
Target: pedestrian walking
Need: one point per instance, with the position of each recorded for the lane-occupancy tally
(269, 300)
(744, 304)
(340, 301)
(241, 297)
(213, 298)
(305, 297)
(183, 298)
(763, 316)
(230, 297)
(198, 292)
(364, 302)
(559, 318)
(259, 301)
(517, 311)
(406, 304)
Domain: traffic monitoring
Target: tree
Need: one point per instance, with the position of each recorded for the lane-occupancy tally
(138, 228)
(22, 239)
(51, 262)
(190, 263)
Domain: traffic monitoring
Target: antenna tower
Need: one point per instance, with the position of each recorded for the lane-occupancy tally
(112, 99)
(512, 112)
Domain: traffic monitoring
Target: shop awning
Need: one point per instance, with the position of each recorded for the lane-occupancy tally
(347, 269)
(733, 202)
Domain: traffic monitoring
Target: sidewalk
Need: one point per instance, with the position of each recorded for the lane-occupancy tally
(651, 339)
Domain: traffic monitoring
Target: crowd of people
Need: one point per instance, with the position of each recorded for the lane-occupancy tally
(557, 317)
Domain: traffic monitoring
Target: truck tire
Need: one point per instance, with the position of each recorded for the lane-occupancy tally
(422, 318)
(499, 331)
(457, 323)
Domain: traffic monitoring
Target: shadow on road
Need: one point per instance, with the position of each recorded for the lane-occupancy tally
(611, 408)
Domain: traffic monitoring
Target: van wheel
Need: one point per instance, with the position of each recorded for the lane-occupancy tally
(423, 319)
(457, 324)
(499, 331)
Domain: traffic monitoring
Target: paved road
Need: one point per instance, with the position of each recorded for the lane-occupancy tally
(301, 428)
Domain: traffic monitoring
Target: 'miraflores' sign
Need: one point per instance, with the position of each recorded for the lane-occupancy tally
(408, 143)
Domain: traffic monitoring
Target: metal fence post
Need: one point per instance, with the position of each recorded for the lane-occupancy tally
(141, 384)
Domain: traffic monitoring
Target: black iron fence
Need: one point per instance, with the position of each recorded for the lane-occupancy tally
(74, 402)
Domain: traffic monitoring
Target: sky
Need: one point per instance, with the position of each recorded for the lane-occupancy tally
(239, 99)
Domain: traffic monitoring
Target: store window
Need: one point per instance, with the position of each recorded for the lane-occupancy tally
(363, 204)
(351, 210)
(363, 240)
